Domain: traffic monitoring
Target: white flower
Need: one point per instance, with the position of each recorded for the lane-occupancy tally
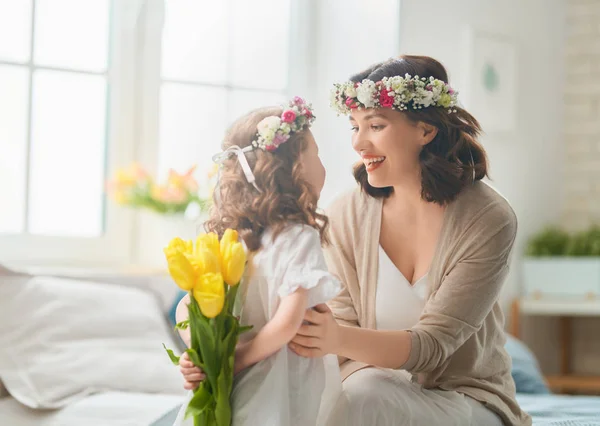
(333, 98)
(425, 98)
(268, 125)
(365, 92)
(285, 128)
(350, 91)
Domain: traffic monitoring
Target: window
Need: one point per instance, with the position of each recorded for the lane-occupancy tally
(89, 86)
(54, 117)
(217, 62)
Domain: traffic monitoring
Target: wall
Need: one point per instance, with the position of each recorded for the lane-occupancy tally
(582, 114)
(527, 164)
(582, 142)
(349, 36)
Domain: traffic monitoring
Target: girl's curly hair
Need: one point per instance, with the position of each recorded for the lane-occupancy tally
(284, 198)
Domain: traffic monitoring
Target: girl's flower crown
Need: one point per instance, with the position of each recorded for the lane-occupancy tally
(399, 93)
(274, 131)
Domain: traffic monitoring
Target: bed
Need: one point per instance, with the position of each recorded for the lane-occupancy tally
(561, 410)
(102, 409)
(132, 382)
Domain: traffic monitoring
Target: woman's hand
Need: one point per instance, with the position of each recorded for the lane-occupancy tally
(192, 375)
(320, 337)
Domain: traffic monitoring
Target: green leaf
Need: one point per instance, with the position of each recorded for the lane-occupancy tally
(223, 404)
(244, 328)
(183, 325)
(202, 401)
(174, 358)
(207, 345)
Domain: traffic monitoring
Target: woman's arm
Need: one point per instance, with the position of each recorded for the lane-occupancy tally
(454, 313)
(386, 349)
(276, 334)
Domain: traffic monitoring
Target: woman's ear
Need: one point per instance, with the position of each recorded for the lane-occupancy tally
(427, 132)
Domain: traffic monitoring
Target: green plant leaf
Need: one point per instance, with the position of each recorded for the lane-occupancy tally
(223, 404)
(244, 328)
(202, 401)
(174, 358)
(183, 325)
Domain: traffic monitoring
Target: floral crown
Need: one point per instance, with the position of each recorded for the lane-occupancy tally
(400, 93)
(274, 130)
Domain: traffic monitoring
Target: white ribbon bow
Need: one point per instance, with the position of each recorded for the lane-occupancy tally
(241, 155)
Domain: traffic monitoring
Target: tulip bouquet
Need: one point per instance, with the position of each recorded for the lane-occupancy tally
(210, 271)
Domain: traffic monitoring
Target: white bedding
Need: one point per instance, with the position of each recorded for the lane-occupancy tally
(104, 409)
(561, 410)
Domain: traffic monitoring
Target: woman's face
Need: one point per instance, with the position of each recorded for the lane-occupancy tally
(312, 167)
(389, 144)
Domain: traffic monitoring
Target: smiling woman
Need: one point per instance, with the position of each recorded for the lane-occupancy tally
(423, 249)
(450, 157)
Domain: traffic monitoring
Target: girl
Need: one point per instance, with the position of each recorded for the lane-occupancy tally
(269, 184)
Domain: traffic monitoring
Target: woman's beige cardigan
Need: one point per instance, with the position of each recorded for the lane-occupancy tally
(458, 343)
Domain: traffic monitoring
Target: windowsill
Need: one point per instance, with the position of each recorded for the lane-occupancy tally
(89, 270)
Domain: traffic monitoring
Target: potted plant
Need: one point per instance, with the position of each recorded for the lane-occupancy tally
(558, 263)
(178, 195)
(175, 206)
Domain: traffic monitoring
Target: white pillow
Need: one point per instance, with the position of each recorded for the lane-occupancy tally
(62, 339)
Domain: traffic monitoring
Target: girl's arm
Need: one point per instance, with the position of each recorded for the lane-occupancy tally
(181, 314)
(276, 334)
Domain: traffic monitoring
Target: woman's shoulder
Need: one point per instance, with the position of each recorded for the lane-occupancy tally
(481, 205)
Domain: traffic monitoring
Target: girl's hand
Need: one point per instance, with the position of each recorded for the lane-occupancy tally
(320, 337)
(192, 375)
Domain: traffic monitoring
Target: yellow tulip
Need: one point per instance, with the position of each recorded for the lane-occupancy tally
(178, 245)
(204, 261)
(210, 294)
(229, 237)
(233, 263)
(181, 270)
(208, 242)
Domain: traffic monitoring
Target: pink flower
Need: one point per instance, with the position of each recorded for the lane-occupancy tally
(298, 101)
(279, 139)
(288, 116)
(307, 113)
(385, 100)
(450, 91)
(270, 148)
(350, 103)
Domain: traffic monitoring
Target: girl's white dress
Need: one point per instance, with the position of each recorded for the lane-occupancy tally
(286, 389)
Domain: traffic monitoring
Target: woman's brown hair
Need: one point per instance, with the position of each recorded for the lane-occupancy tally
(284, 197)
(454, 159)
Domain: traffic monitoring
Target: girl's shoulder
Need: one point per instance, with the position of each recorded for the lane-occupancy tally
(291, 236)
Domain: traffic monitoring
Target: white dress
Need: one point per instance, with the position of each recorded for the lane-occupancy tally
(385, 397)
(286, 389)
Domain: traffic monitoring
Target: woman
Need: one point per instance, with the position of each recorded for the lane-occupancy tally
(422, 249)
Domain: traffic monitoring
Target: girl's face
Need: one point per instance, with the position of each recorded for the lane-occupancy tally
(312, 167)
(389, 144)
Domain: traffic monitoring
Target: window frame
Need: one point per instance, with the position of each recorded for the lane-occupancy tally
(134, 82)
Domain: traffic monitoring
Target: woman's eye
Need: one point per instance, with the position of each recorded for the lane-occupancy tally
(354, 129)
(377, 128)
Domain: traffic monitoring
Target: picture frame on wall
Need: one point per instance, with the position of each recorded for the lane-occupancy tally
(490, 88)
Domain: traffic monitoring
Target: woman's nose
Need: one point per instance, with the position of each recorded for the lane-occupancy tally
(359, 142)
